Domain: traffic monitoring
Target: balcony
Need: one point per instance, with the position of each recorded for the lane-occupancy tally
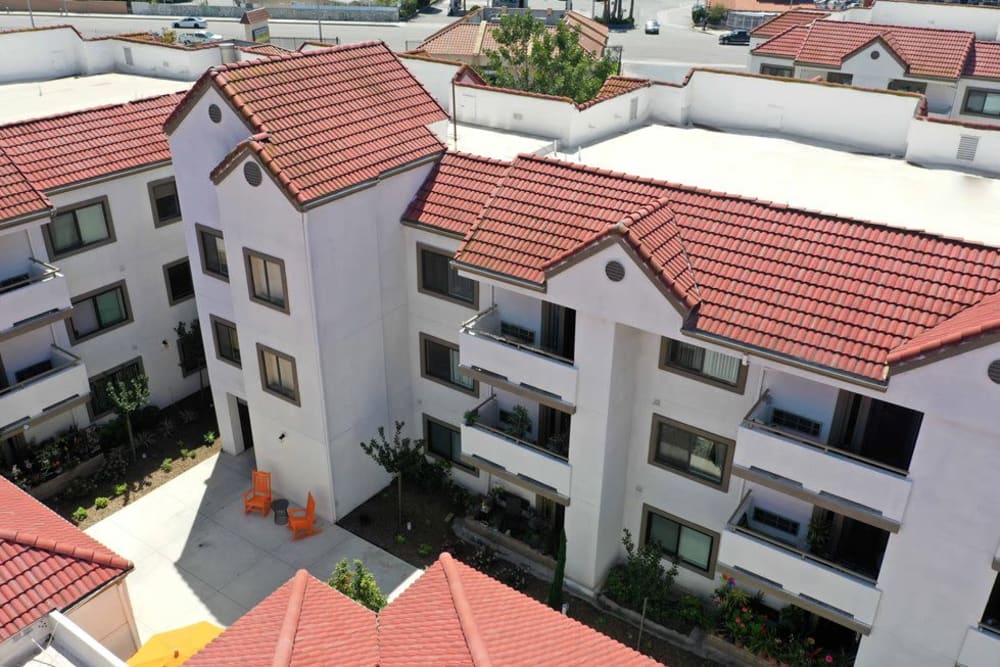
(485, 443)
(35, 291)
(493, 352)
(789, 572)
(981, 648)
(42, 387)
(841, 480)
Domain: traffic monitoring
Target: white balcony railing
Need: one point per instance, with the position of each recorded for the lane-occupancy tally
(484, 439)
(65, 379)
(482, 346)
(41, 289)
(981, 648)
(820, 468)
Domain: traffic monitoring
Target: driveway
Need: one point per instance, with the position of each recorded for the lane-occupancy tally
(198, 557)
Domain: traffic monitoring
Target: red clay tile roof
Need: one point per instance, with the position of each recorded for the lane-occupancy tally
(618, 85)
(456, 191)
(18, 197)
(451, 615)
(924, 51)
(46, 563)
(75, 147)
(834, 292)
(327, 119)
(255, 16)
(304, 622)
(265, 50)
(984, 62)
(786, 20)
(982, 318)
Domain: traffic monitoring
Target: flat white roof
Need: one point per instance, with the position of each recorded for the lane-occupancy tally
(493, 143)
(35, 99)
(877, 189)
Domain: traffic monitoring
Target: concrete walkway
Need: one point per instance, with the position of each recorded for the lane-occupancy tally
(199, 557)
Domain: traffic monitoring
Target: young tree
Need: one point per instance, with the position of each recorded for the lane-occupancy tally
(556, 589)
(399, 457)
(359, 585)
(535, 59)
(128, 397)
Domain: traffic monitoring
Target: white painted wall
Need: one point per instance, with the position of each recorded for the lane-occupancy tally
(877, 72)
(936, 144)
(108, 618)
(984, 21)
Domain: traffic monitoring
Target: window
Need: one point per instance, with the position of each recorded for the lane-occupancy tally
(839, 77)
(439, 362)
(777, 70)
(100, 402)
(696, 454)
(164, 201)
(437, 277)
(79, 228)
(908, 86)
(266, 279)
(444, 441)
(790, 420)
(721, 369)
(982, 102)
(179, 283)
(991, 615)
(227, 343)
(98, 311)
(213, 252)
(689, 545)
(278, 375)
(191, 351)
(775, 521)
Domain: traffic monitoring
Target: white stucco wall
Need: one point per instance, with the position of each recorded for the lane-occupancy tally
(108, 618)
(984, 21)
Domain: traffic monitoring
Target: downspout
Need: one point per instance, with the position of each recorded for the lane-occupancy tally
(454, 113)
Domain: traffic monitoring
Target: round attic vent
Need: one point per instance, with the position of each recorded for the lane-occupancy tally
(875, 55)
(614, 271)
(993, 371)
(251, 172)
(215, 113)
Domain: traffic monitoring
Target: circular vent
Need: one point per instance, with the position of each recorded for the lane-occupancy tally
(875, 55)
(215, 113)
(251, 172)
(614, 271)
(993, 371)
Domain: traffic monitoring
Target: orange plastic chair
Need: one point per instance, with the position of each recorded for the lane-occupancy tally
(302, 522)
(258, 498)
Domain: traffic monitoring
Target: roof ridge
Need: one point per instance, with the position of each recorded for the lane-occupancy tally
(80, 112)
(290, 622)
(481, 158)
(229, 67)
(102, 556)
(466, 618)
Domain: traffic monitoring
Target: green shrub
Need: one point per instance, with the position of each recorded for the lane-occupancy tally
(642, 576)
(698, 14)
(79, 515)
(359, 584)
(115, 466)
(188, 453)
(425, 549)
(209, 438)
(400, 539)
(120, 489)
(408, 8)
(717, 14)
(167, 465)
(100, 502)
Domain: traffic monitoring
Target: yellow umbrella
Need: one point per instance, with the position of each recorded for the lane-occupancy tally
(172, 648)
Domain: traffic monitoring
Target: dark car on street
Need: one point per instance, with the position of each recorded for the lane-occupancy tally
(735, 37)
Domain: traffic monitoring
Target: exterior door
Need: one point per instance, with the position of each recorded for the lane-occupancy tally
(244, 416)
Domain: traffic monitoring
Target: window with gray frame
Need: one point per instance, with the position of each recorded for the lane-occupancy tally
(166, 205)
(777, 70)
(713, 366)
(680, 542)
(839, 77)
(99, 311)
(266, 276)
(278, 374)
(440, 362)
(180, 285)
(213, 252)
(100, 403)
(982, 102)
(79, 228)
(692, 452)
(227, 342)
(438, 277)
(905, 86)
(443, 440)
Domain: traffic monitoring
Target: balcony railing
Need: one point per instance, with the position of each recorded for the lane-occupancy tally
(487, 324)
(37, 272)
(488, 419)
(981, 647)
(757, 419)
(39, 290)
(59, 360)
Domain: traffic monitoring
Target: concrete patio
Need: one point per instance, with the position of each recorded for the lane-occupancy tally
(199, 557)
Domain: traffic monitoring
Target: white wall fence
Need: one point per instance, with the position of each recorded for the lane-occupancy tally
(308, 12)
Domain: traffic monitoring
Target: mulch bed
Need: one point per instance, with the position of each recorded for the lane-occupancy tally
(429, 516)
(145, 473)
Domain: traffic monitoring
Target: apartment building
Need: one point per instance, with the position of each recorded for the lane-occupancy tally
(956, 72)
(694, 352)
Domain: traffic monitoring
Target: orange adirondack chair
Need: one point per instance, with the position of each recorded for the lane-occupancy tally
(302, 522)
(258, 498)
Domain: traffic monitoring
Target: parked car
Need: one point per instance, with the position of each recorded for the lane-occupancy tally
(652, 27)
(735, 37)
(199, 37)
(191, 22)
